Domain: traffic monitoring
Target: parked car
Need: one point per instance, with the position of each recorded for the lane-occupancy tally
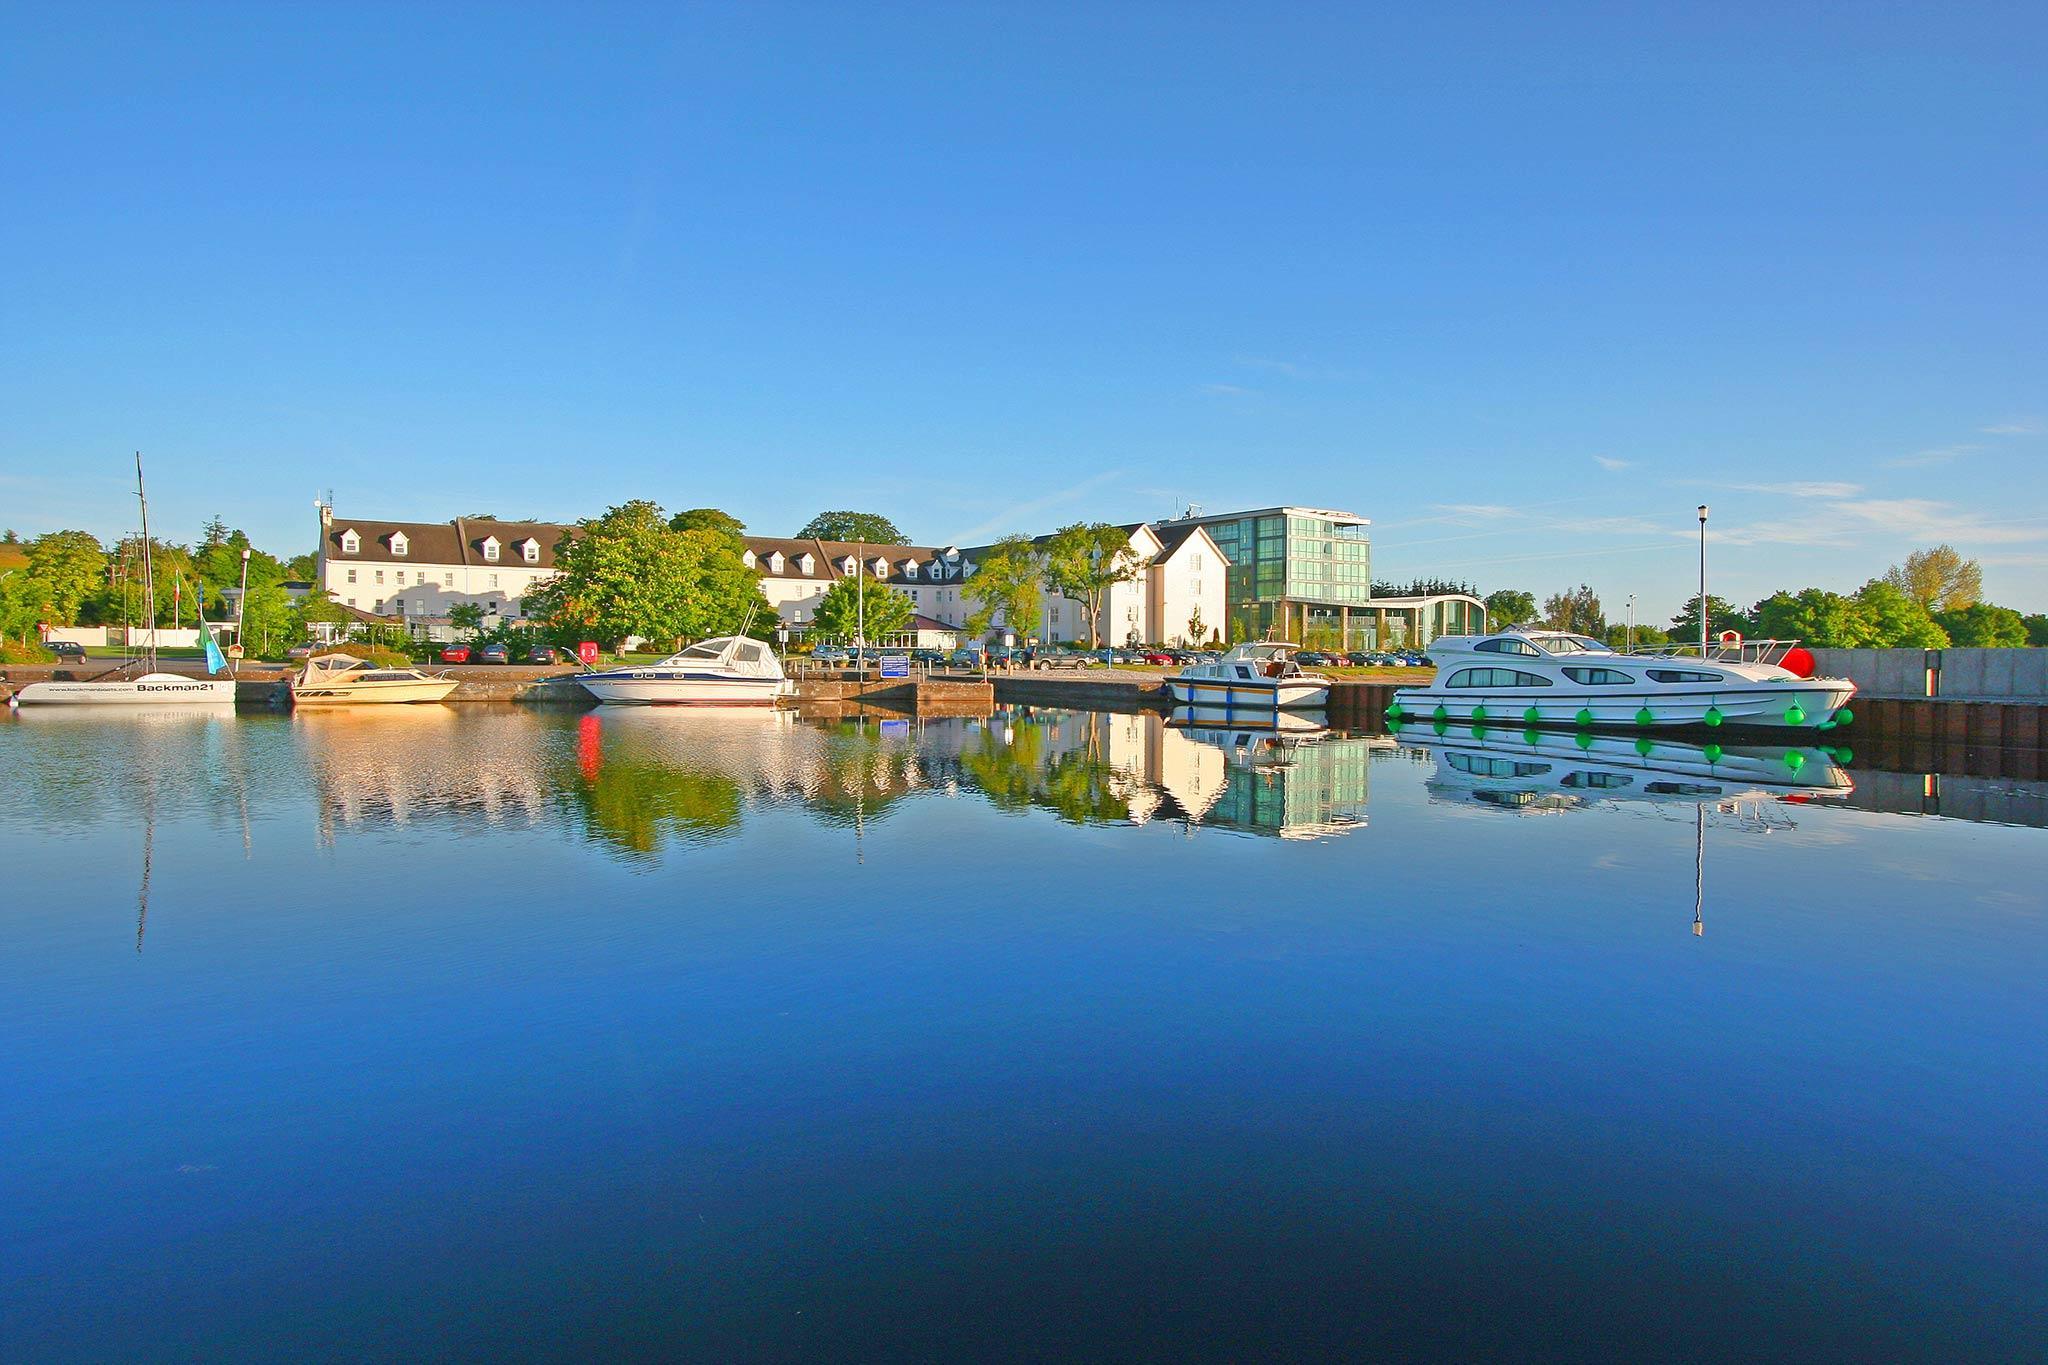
(1313, 658)
(299, 652)
(494, 654)
(455, 654)
(1358, 658)
(1157, 656)
(930, 658)
(543, 654)
(966, 658)
(69, 651)
(834, 655)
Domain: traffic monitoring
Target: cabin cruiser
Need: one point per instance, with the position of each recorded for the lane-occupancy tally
(1262, 676)
(732, 670)
(344, 680)
(1552, 677)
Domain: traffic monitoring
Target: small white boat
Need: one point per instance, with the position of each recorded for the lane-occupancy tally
(344, 680)
(1551, 677)
(1261, 676)
(150, 689)
(731, 670)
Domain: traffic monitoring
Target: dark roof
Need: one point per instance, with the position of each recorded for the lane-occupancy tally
(1171, 538)
(444, 542)
(922, 622)
(826, 554)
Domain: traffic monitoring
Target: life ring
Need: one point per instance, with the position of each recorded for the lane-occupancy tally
(1731, 637)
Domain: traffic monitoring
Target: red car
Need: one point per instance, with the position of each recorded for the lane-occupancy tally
(1157, 656)
(455, 654)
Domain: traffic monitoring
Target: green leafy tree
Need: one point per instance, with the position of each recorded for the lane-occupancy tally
(1816, 617)
(10, 537)
(1007, 582)
(215, 532)
(1721, 615)
(707, 519)
(1983, 626)
(1510, 607)
(1195, 636)
(1087, 559)
(629, 573)
(1898, 621)
(2037, 629)
(1645, 634)
(467, 617)
(72, 568)
(872, 610)
(267, 620)
(1577, 611)
(1940, 578)
(301, 568)
(317, 607)
(871, 527)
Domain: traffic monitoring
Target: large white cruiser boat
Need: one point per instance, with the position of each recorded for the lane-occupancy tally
(731, 670)
(1549, 677)
(1261, 676)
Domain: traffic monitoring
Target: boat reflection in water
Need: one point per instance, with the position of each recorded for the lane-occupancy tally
(1546, 772)
(1284, 774)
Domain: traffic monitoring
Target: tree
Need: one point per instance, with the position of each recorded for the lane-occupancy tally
(1815, 616)
(72, 567)
(1721, 615)
(1087, 559)
(215, 532)
(1940, 578)
(1510, 607)
(871, 527)
(707, 519)
(627, 574)
(2037, 629)
(1194, 636)
(468, 617)
(1983, 626)
(10, 537)
(870, 611)
(1645, 634)
(301, 568)
(1578, 612)
(267, 619)
(317, 607)
(1006, 582)
(1898, 621)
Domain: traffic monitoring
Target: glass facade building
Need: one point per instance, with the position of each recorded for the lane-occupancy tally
(1294, 571)
(1305, 574)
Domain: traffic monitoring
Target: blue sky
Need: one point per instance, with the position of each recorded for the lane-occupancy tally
(1523, 284)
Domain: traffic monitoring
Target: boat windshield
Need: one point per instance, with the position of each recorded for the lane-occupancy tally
(1571, 644)
(702, 652)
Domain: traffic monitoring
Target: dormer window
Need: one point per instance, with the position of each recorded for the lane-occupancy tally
(490, 549)
(747, 558)
(775, 561)
(399, 544)
(846, 565)
(351, 543)
(805, 561)
(529, 550)
(879, 566)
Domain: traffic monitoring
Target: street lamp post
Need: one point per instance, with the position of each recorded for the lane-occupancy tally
(1703, 580)
(241, 611)
(1630, 647)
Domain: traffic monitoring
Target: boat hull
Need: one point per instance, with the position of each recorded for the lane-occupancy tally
(151, 689)
(626, 690)
(1249, 694)
(1805, 705)
(376, 694)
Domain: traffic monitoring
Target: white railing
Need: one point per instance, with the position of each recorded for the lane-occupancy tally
(1719, 651)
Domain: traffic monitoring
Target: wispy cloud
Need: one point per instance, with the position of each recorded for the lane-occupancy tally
(1923, 519)
(1798, 489)
(1018, 516)
(1927, 459)
(2025, 426)
(1228, 390)
(1473, 513)
(1612, 465)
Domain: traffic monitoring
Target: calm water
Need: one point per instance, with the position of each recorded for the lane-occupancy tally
(492, 1034)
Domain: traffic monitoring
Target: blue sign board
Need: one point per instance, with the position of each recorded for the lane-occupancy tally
(895, 665)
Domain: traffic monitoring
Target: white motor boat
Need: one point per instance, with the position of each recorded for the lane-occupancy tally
(1261, 676)
(344, 680)
(732, 670)
(1550, 677)
(149, 689)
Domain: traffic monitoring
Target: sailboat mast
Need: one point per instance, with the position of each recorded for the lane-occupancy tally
(148, 562)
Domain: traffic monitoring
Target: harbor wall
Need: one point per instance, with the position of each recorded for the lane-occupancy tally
(1956, 674)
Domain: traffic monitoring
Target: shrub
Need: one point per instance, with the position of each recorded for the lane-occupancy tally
(22, 652)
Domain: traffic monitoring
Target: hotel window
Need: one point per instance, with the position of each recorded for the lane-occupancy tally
(350, 544)
(351, 601)
(380, 575)
(532, 552)
(351, 575)
(398, 546)
(491, 551)
(494, 580)
(448, 579)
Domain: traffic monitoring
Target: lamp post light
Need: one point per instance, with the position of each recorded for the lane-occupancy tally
(1630, 646)
(1703, 580)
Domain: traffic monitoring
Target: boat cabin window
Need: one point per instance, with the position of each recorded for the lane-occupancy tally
(1574, 644)
(701, 652)
(1479, 765)
(1598, 780)
(1681, 789)
(751, 651)
(1243, 670)
(1672, 675)
(1599, 677)
(1495, 677)
(1505, 647)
